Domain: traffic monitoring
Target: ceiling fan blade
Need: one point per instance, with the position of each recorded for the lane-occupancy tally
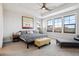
(47, 9)
(43, 6)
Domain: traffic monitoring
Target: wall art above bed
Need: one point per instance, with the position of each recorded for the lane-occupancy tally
(27, 22)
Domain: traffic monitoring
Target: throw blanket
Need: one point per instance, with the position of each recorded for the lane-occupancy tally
(31, 37)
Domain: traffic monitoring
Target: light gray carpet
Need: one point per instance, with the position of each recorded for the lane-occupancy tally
(19, 49)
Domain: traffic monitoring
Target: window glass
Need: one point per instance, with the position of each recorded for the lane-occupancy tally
(49, 25)
(69, 24)
(58, 25)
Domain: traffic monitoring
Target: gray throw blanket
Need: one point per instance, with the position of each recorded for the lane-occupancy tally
(31, 37)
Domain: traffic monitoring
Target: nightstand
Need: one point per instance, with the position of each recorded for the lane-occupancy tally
(15, 37)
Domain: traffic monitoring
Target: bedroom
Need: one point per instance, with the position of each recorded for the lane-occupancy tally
(13, 23)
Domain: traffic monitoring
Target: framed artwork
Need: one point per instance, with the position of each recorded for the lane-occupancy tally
(27, 22)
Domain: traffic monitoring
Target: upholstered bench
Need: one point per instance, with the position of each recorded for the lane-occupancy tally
(67, 43)
(41, 42)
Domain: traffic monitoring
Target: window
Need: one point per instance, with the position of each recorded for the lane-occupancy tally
(58, 25)
(49, 26)
(69, 24)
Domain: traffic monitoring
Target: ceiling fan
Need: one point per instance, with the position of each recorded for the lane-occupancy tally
(44, 7)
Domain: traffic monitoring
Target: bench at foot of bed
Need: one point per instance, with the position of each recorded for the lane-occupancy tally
(41, 42)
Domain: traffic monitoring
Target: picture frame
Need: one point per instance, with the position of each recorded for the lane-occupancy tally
(27, 22)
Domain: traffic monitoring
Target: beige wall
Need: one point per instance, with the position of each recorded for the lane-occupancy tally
(1, 25)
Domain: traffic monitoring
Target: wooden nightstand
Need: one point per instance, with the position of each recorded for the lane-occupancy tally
(15, 37)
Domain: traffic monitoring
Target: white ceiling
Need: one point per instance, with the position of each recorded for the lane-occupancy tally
(30, 8)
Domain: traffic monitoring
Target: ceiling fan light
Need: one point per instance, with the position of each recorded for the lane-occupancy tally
(43, 8)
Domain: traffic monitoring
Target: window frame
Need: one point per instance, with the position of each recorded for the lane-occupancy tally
(64, 24)
(69, 24)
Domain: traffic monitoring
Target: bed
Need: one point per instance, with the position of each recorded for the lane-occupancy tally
(29, 38)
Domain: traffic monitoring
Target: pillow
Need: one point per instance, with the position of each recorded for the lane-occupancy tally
(30, 31)
(23, 32)
(36, 31)
(18, 33)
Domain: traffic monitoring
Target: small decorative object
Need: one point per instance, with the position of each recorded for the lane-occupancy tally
(27, 22)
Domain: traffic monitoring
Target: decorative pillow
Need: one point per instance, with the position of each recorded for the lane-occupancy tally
(30, 31)
(23, 32)
(36, 31)
(18, 33)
